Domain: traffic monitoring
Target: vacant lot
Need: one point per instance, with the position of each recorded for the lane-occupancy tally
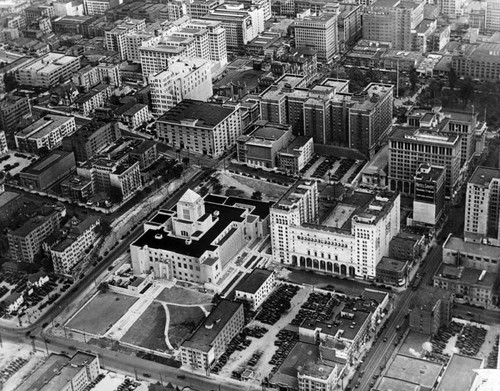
(101, 313)
(149, 330)
(183, 320)
(177, 295)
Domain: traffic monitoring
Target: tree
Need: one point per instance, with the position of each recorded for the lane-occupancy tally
(413, 78)
(10, 82)
(217, 188)
(467, 90)
(103, 287)
(452, 78)
(105, 227)
(177, 170)
(257, 195)
(185, 161)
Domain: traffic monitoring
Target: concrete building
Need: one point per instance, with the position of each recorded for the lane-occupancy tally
(350, 241)
(216, 39)
(185, 78)
(136, 116)
(77, 188)
(409, 147)
(200, 127)
(34, 12)
(294, 157)
(48, 70)
(478, 61)
(25, 243)
(61, 373)
(68, 8)
(87, 77)
(255, 287)
(430, 310)
(69, 252)
(212, 337)
(145, 153)
(319, 32)
(392, 271)
(407, 372)
(99, 7)
(428, 199)
(480, 256)
(472, 286)
(94, 98)
(47, 171)
(3, 144)
(392, 21)
(196, 241)
(449, 8)
(492, 16)
(154, 59)
(406, 247)
(48, 132)
(91, 138)
(482, 206)
(329, 114)
(12, 109)
(242, 23)
(115, 38)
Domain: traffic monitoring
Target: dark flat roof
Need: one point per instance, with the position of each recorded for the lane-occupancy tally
(205, 334)
(196, 248)
(206, 114)
(253, 281)
(484, 175)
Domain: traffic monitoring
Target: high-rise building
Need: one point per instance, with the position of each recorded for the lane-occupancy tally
(409, 147)
(482, 205)
(349, 242)
(318, 32)
(115, 38)
(200, 127)
(428, 199)
(449, 8)
(185, 78)
(478, 61)
(99, 7)
(12, 109)
(3, 143)
(392, 21)
(492, 22)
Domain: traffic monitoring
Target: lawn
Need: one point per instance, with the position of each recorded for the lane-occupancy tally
(101, 313)
(149, 330)
(177, 295)
(183, 320)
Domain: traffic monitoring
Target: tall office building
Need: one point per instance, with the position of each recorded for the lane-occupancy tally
(318, 32)
(392, 21)
(185, 78)
(482, 206)
(449, 8)
(99, 7)
(409, 147)
(115, 38)
(428, 198)
(492, 22)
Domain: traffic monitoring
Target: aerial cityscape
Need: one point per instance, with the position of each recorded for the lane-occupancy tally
(252, 195)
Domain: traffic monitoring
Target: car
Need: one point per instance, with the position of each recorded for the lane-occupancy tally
(385, 339)
(181, 376)
(146, 375)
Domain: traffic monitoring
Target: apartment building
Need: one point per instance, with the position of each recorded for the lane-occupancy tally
(392, 21)
(329, 113)
(430, 310)
(212, 337)
(197, 240)
(154, 59)
(255, 287)
(110, 73)
(428, 198)
(216, 39)
(318, 32)
(482, 206)
(120, 174)
(133, 40)
(478, 61)
(48, 70)
(70, 251)
(62, 373)
(241, 22)
(87, 77)
(35, 12)
(48, 132)
(99, 7)
(115, 38)
(25, 243)
(12, 109)
(409, 147)
(475, 287)
(46, 171)
(199, 8)
(77, 188)
(185, 78)
(201, 127)
(94, 98)
(492, 20)
(91, 138)
(136, 116)
(145, 153)
(449, 8)
(349, 242)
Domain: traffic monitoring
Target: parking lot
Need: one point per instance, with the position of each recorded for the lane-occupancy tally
(14, 163)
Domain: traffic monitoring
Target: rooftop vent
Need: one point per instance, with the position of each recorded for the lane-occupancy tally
(158, 236)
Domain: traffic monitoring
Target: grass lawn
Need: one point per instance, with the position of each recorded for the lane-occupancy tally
(101, 313)
(177, 295)
(183, 320)
(149, 330)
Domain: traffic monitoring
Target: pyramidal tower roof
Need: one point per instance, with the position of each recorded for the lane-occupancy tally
(190, 196)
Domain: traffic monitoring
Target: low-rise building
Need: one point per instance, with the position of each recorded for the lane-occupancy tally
(476, 287)
(78, 188)
(48, 70)
(201, 127)
(136, 116)
(255, 287)
(94, 98)
(25, 243)
(211, 338)
(392, 271)
(407, 372)
(480, 256)
(406, 247)
(293, 158)
(69, 252)
(145, 153)
(61, 373)
(430, 310)
(45, 172)
(47, 132)
(12, 109)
